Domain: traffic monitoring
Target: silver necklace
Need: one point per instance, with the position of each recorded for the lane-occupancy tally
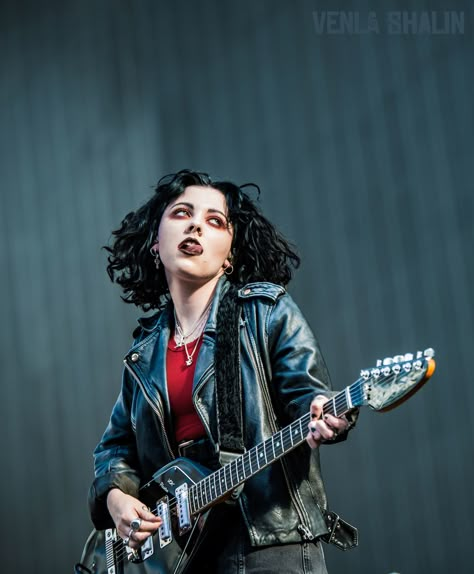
(181, 338)
(189, 359)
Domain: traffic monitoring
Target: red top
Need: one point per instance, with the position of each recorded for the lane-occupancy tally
(180, 377)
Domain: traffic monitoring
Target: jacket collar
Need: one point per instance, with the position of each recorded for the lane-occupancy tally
(162, 318)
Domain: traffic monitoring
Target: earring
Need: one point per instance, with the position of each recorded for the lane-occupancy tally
(156, 256)
(229, 269)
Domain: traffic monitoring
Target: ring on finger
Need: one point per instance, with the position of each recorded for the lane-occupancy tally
(126, 540)
(135, 524)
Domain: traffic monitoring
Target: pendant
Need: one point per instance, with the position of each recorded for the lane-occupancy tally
(179, 340)
(189, 361)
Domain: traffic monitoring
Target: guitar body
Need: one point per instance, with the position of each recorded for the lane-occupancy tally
(104, 552)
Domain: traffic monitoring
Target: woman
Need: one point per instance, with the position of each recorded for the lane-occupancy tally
(227, 352)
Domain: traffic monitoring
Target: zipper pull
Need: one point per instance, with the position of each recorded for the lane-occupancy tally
(305, 532)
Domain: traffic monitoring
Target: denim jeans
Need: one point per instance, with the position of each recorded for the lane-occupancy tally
(227, 550)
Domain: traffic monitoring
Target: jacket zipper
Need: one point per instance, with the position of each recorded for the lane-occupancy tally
(158, 411)
(304, 519)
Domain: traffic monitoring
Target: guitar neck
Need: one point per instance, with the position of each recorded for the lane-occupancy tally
(223, 481)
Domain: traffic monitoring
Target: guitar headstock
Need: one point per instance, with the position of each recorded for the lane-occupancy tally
(394, 379)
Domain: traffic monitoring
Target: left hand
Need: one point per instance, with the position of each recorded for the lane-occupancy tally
(323, 428)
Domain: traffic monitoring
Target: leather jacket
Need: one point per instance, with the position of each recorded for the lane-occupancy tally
(280, 362)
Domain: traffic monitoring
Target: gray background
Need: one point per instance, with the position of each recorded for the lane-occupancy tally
(362, 145)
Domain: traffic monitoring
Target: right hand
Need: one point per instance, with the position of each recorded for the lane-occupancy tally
(123, 509)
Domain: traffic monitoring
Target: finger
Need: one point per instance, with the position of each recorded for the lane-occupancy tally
(146, 526)
(315, 435)
(145, 514)
(335, 422)
(312, 442)
(316, 407)
(138, 538)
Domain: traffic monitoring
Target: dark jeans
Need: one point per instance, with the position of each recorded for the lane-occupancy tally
(227, 550)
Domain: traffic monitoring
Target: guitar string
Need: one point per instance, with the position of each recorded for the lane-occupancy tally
(338, 401)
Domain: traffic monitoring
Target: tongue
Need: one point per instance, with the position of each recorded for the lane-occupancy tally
(192, 248)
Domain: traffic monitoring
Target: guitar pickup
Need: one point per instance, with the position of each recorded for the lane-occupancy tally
(140, 555)
(164, 532)
(184, 516)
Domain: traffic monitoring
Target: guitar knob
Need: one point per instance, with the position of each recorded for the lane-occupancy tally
(398, 358)
(419, 354)
(387, 361)
(429, 353)
(408, 357)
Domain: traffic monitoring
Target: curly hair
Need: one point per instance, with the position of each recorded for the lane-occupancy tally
(259, 251)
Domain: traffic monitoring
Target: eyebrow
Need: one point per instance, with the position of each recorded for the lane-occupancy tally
(191, 206)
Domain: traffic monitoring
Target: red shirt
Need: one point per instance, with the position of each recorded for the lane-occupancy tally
(180, 377)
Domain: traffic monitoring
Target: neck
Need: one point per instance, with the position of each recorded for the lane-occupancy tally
(190, 300)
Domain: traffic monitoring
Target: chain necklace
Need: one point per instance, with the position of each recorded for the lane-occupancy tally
(189, 360)
(181, 338)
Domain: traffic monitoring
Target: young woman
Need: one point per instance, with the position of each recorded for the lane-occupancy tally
(226, 344)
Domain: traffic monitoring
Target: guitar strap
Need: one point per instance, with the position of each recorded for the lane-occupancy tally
(228, 378)
(229, 409)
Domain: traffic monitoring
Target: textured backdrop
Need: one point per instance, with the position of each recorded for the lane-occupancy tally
(362, 143)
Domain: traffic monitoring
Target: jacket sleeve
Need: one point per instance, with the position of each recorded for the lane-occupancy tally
(115, 458)
(298, 370)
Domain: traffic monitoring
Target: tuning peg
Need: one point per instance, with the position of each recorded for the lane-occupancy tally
(419, 354)
(387, 361)
(398, 358)
(429, 353)
(408, 357)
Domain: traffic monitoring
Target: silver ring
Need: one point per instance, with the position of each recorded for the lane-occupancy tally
(135, 524)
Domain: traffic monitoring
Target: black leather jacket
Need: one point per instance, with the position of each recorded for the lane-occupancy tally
(281, 503)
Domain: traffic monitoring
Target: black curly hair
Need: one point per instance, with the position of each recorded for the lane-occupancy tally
(259, 251)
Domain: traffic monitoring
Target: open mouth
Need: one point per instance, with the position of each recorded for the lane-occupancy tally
(190, 246)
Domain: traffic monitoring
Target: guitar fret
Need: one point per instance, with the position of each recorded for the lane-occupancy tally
(250, 461)
(267, 447)
(247, 464)
(234, 473)
(229, 476)
(222, 481)
(200, 494)
(241, 472)
(215, 491)
(207, 490)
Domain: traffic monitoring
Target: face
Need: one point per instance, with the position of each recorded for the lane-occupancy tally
(194, 237)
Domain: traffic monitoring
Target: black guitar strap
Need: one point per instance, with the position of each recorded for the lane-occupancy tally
(228, 378)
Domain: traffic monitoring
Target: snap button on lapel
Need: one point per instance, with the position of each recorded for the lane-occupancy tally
(134, 357)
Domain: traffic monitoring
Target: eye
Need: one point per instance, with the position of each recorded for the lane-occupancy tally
(180, 211)
(217, 222)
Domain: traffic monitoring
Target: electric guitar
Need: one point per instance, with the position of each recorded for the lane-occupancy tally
(183, 492)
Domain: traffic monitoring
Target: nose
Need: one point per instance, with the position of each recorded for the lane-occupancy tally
(194, 228)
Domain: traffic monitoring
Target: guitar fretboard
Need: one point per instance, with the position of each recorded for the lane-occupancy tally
(221, 482)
